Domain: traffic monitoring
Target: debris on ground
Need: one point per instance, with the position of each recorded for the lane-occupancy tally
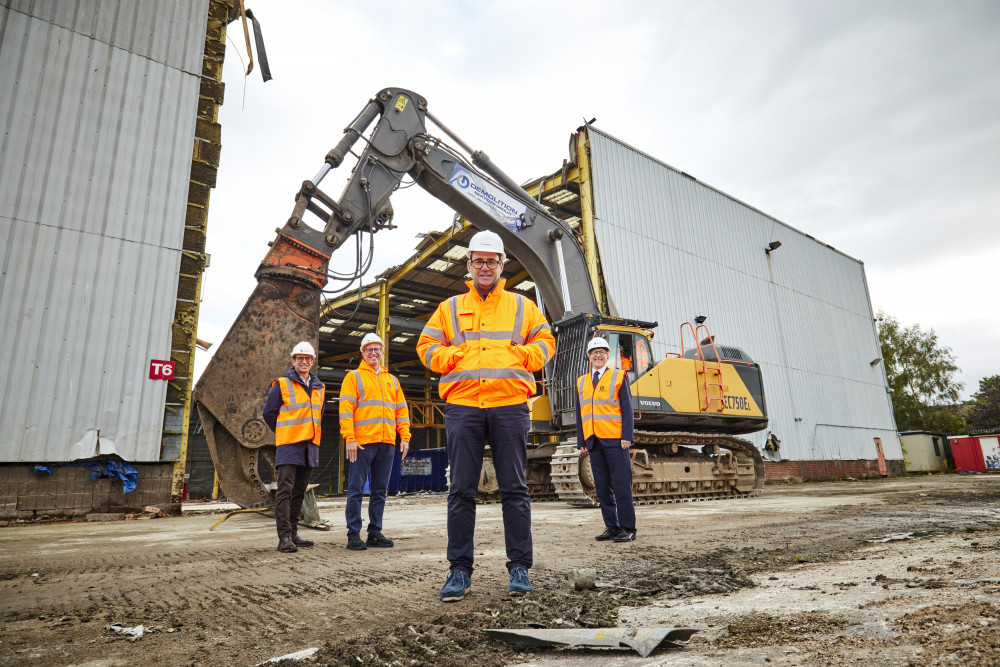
(643, 640)
(294, 657)
(133, 634)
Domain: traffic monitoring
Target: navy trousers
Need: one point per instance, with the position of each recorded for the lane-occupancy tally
(375, 459)
(612, 467)
(292, 483)
(468, 430)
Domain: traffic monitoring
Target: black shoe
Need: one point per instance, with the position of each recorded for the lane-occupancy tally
(354, 543)
(300, 542)
(625, 536)
(285, 545)
(379, 540)
(608, 534)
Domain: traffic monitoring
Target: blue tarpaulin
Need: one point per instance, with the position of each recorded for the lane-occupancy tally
(100, 469)
(111, 468)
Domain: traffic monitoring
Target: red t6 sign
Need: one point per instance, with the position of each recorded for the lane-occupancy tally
(160, 369)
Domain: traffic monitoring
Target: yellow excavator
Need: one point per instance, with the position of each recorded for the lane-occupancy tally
(690, 408)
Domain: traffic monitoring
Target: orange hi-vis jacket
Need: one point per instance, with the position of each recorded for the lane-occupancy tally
(372, 407)
(486, 351)
(599, 407)
(301, 413)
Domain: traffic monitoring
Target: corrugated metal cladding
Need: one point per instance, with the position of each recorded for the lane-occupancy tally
(672, 248)
(98, 102)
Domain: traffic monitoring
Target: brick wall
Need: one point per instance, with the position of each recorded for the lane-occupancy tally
(69, 493)
(821, 471)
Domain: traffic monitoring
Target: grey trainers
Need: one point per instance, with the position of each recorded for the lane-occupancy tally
(519, 582)
(456, 586)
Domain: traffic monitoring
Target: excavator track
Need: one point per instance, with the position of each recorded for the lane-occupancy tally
(668, 467)
(540, 487)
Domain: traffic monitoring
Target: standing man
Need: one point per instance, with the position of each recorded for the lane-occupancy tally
(294, 411)
(605, 428)
(372, 412)
(486, 344)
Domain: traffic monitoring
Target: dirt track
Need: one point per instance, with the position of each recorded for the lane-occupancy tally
(788, 578)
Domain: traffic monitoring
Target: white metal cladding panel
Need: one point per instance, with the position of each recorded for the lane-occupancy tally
(672, 248)
(170, 32)
(94, 168)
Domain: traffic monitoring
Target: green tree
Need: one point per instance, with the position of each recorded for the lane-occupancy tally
(985, 411)
(921, 375)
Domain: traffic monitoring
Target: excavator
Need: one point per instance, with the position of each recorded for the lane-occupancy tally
(690, 407)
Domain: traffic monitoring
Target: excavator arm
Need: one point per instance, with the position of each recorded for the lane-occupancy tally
(284, 307)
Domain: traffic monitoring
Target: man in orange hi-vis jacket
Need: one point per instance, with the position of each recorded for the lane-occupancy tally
(486, 345)
(294, 411)
(372, 412)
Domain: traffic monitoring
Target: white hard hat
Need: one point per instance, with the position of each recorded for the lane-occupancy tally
(487, 242)
(303, 348)
(369, 339)
(596, 343)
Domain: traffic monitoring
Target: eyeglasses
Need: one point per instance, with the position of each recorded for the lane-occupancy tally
(373, 350)
(309, 359)
(598, 353)
(480, 263)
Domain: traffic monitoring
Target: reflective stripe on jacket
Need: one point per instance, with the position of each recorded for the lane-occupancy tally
(301, 414)
(486, 351)
(599, 407)
(372, 407)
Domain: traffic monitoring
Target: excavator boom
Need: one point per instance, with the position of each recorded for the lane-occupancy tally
(284, 308)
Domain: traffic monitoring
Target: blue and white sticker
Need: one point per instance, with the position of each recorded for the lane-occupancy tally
(503, 208)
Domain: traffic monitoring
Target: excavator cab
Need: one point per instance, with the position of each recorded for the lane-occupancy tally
(630, 349)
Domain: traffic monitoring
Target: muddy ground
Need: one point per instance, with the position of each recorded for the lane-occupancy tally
(789, 578)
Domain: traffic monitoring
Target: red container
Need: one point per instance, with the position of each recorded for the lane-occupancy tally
(968, 453)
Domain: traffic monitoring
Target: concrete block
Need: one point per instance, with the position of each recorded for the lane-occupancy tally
(106, 516)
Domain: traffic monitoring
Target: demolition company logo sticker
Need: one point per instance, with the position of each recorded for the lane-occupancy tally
(500, 205)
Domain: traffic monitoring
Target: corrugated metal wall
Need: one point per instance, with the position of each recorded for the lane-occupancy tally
(672, 248)
(98, 104)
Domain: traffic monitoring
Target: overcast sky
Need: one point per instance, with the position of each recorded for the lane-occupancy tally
(873, 126)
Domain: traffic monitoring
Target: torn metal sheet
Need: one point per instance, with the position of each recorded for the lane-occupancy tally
(643, 640)
(898, 537)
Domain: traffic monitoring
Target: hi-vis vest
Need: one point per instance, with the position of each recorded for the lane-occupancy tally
(299, 419)
(372, 407)
(599, 407)
(486, 352)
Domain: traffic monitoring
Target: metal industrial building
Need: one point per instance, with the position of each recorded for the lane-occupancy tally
(109, 151)
(669, 248)
(110, 148)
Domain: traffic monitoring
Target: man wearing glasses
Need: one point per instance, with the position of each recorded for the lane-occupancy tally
(372, 413)
(294, 411)
(605, 428)
(486, 344)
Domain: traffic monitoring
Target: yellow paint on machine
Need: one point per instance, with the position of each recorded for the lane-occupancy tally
(539, 408)
(681, 384)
